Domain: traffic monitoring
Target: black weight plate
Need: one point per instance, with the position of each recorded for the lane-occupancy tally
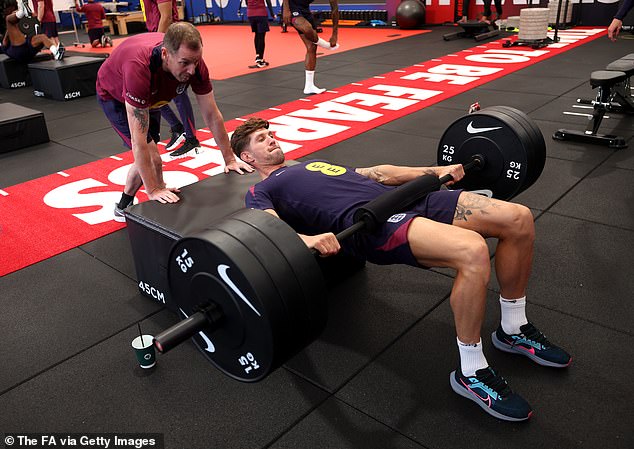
(539, 150)
(530, 142)
(526, 138)
(310, 279)
(249, 356)
(283, 278)
(538, 145)
(491, 136)
(310, 300)
(302, 262)
(29, 26)
(269, 295)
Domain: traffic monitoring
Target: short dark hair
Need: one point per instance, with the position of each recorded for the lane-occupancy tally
(240, 137)
(182, 33)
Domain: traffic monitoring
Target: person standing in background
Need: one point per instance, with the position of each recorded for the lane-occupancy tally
(259, 20)
(43, 10)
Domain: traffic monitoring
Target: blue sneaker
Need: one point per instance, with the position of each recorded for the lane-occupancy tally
(533, 344)
(491, 392)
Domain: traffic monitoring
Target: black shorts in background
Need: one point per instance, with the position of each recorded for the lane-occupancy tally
(259, 24)
(95, 34)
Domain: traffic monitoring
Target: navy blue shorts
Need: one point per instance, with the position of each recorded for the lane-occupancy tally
(95, 34)
(50, 29)
(389, 245)
(116, 113)
(22, 53)
(306, 14)
(259, 24)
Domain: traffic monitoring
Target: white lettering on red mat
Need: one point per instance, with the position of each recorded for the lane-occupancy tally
(333, 110)
(411, 92)
(69, 196)
(454, 73)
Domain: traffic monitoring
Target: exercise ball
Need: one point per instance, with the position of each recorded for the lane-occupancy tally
(410, 14)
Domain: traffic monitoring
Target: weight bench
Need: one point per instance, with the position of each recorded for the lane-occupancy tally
(614, 94)
(475, 29)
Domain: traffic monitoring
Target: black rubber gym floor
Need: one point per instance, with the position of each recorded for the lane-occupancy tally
(378, 377)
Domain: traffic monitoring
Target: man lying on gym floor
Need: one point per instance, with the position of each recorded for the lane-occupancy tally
(445, 229)
(24, 48)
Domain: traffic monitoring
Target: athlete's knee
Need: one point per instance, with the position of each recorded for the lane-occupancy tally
(473, 258)
(521, 223)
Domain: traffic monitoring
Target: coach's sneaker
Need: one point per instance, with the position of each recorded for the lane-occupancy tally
(175, 140)
(491, 392)
(102, 41)
(189, 145)
(118, 214)
(108, 41)
(533, 344)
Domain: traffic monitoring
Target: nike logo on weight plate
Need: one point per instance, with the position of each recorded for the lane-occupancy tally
(473, 130)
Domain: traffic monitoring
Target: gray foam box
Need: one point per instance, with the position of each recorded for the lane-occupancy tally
(72, 77)
(21, 127)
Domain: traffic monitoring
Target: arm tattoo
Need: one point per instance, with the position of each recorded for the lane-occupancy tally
(372, 173)
(470, 203)
(143, 116)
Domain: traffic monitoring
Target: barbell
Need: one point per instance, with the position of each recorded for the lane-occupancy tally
(250, 293)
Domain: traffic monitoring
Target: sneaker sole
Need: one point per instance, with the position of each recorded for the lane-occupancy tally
(459, 389)
(178, 141)
(510, 349)
(119, 219)
(176, 156)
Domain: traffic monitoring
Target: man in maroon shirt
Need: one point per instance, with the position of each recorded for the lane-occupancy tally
(94, 15)
(142, 74)
(43, 10)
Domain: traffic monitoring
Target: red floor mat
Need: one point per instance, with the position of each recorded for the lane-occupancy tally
(229, 50)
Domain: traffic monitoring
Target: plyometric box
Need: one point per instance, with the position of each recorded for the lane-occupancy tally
(72, 77)
(154, 227)
(21, 127)
(14, 74)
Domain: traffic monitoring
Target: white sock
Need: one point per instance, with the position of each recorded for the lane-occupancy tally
(325, 44)
(513, 314)
(309, 86)
(53, 49)
(471, 357)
